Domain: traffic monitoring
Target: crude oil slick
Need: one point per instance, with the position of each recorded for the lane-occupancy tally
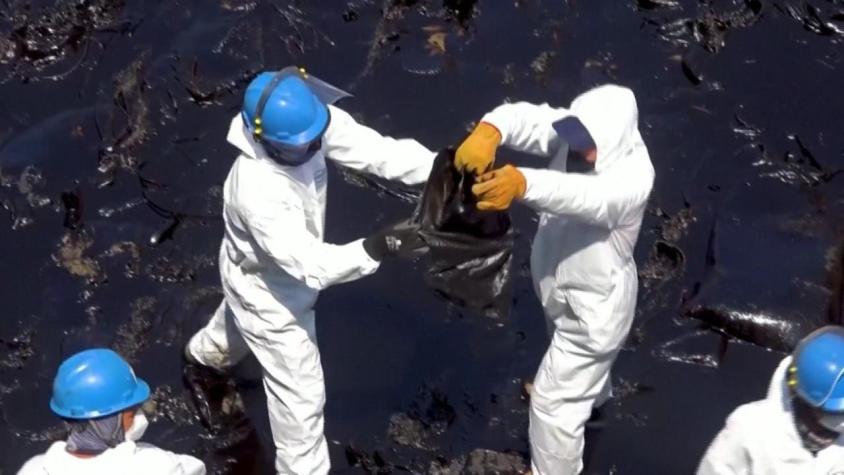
(112, 152)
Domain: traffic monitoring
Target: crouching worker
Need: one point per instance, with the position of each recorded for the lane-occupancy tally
(97, 394)
(798, 428)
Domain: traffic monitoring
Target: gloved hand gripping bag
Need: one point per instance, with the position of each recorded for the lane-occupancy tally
(470, 251)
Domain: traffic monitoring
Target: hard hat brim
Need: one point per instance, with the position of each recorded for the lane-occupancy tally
(140, 395)
(835, 405)
(312, 133)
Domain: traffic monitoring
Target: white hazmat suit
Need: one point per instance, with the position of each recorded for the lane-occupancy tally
(128, 458)
(274, 262)
(760, 438)
(582, 259)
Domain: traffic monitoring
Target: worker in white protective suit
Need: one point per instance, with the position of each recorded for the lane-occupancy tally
(591, 200)
(99, 397)
(273, 259)
(797, 429)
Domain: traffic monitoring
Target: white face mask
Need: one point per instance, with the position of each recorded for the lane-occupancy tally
(138, 427)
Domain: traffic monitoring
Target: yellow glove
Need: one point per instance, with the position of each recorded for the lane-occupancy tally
(497, 189)
(477, 152)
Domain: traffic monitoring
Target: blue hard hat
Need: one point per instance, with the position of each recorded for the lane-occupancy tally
(96, 383)
(818, 368)
(281, 108)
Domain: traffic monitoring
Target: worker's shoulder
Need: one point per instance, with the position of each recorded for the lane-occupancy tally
(640, 158)
(33, 466)
(632, 177)
(338, 113)
(752, 414)
(147, 458)
(38, 464)
(340, 120)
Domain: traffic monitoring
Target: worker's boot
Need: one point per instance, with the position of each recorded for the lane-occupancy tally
(597, 419)
(215, 395)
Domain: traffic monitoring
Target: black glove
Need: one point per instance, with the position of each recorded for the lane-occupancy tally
(401, 239)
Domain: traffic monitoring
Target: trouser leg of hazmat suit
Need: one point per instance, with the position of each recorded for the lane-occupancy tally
(219, 345)
(286, 349)
(571, 380)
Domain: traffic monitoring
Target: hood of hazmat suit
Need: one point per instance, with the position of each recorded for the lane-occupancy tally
(129, 457)
(274, 262)
(761, 437)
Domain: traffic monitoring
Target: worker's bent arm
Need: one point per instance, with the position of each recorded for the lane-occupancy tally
(596, 199)
(527, 127)
(278, 229)
(358, 147)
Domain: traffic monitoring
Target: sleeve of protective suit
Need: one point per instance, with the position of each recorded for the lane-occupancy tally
(726, 454)
(597, 199)
(161, 461)
(527, 127)
(358, 147)
(276, 230)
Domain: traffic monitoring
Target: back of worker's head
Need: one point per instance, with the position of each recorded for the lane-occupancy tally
(815, 381)
(97, 393)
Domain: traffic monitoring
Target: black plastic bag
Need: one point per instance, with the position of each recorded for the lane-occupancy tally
(470, 251)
